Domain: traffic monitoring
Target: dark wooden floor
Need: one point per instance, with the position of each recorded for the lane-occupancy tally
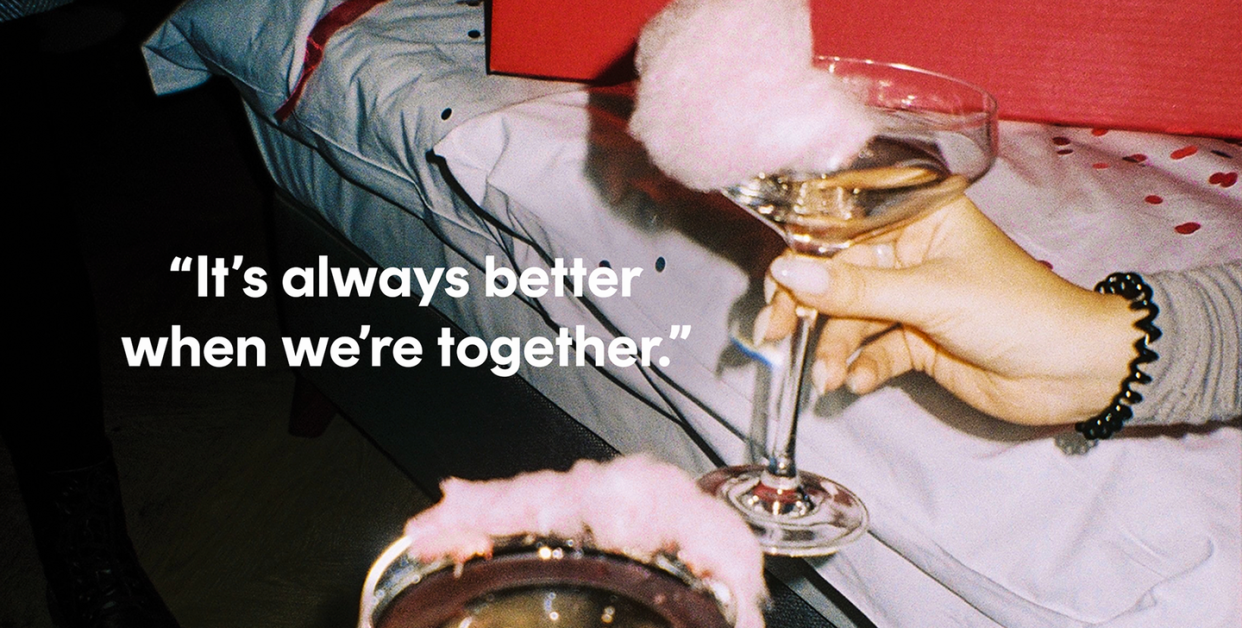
(238, 523)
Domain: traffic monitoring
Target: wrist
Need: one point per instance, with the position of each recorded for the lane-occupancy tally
(1125, 338)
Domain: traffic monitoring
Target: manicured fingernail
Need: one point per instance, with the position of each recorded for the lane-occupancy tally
(769, 288)
(763, 320)
(853, 356)
(819, 376)
(885, 256)
(860, 380)
(801, 274)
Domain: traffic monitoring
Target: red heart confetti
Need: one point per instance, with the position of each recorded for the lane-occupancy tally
(1223, 179)
(1187, 228)
(1061, 140)
(1136, 158)
(1098, 132)
(1153, 199)
(1184, 152)
(1099, 165)
(1065, 151)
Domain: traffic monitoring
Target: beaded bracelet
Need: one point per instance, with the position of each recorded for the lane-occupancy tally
(1111, 420)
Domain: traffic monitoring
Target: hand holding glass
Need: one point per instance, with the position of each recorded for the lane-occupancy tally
(934, 136)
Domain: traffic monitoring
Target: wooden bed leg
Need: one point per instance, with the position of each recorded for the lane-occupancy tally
(311, 412)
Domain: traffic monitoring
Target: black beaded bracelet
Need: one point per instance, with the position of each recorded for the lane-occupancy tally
(1111, 420)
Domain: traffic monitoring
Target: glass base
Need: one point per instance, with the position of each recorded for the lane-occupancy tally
(812, 517)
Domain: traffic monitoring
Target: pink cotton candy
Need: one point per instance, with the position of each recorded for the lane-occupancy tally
(632, 505)
(728, 90)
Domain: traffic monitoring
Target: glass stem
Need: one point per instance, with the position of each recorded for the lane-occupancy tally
(781, 472)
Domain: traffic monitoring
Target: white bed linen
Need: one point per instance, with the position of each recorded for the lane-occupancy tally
(975, 523)
(1139, 532)
(394, 239)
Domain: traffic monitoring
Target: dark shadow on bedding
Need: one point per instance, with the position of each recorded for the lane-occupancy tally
(618, 166)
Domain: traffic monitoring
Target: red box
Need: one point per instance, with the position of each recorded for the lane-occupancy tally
(1155, 65)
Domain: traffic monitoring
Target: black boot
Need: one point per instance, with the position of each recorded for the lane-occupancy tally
(94, 578)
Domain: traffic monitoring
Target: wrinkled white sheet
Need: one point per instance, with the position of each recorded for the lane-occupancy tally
(1137, 533)
(975, 523)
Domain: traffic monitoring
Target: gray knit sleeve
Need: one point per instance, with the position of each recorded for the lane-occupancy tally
(1197, 377)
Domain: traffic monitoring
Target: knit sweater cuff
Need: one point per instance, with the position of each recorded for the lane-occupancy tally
(1196, 379)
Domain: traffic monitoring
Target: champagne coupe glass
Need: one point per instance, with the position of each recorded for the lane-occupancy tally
(934, 136)
(538, 582)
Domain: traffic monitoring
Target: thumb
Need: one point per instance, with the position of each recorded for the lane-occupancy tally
(841, 289)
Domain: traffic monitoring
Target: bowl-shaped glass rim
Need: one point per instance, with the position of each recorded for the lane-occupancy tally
(847, 68)
(426, 594)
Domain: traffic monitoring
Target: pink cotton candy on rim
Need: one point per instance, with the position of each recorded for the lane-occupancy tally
(728, 90)
(633, 505)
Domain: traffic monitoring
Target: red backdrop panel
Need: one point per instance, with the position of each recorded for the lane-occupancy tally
(1142, 64)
